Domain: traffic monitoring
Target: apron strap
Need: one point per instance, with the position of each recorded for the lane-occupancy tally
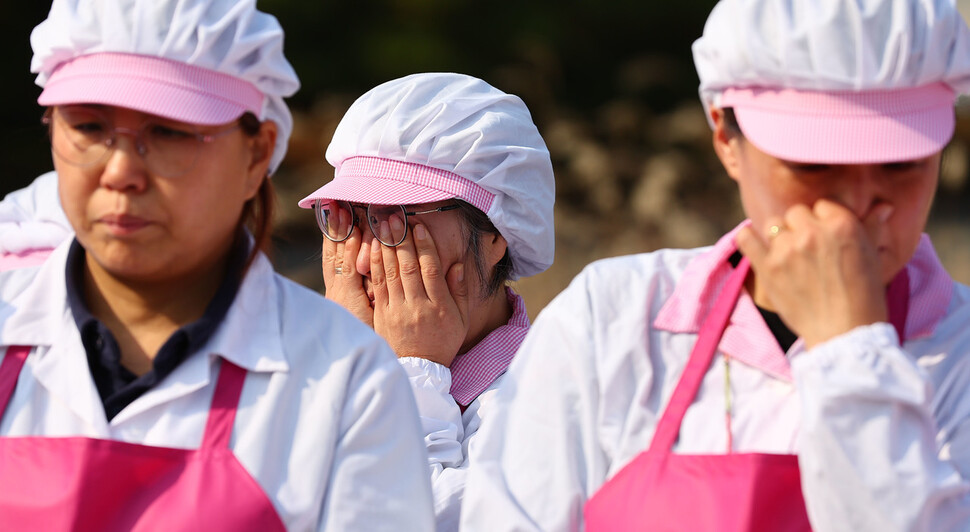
(13, 361)
(897, 298)
(700, 360)
(225, 400)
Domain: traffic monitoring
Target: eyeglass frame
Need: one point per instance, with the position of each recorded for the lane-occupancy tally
(141, 148)
(318, 204)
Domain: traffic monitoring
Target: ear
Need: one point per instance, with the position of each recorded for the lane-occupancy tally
(727, 145)
(494, 247)
(261, 148)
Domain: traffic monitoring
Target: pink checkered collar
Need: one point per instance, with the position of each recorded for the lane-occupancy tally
(474, 371)
(748, 338)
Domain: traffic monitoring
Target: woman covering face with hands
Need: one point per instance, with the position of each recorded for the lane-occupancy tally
(809, 371)
(442, 192)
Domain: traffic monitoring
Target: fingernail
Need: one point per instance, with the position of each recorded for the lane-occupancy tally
(419, 232)
(885, 213)
(385, 232)
(461, 272)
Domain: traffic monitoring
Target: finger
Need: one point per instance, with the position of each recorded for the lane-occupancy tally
(751, 245)
(434, 283)
(407, 261)
(377, 278)
(799, 217)
(392, 271)
(349, 253)
(458, 288)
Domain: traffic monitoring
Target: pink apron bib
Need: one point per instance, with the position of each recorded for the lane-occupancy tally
(85, 484)
(660, 490)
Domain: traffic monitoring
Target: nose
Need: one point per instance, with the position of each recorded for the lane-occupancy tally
(858, 189)
(125, 168)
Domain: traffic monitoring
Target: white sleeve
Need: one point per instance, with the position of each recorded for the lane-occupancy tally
(379, 478)
(32, 218)
(537, 458)
(869, 453)
(447, 434)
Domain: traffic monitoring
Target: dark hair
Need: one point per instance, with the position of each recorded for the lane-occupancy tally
(731, 123)
(257, 213)
(478, 224)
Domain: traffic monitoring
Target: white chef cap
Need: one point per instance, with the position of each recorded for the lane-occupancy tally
(199, 61)
(837, 81)
(435, 136)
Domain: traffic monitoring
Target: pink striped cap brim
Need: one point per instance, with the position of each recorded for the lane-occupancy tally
(867, 127)
(154, 85)
(391, 182)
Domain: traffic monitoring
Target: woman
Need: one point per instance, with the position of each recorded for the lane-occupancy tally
(156, 373)
(810, 369)
(443, 192)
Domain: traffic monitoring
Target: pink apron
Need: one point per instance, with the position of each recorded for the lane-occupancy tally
(84, 484)
(660, 490)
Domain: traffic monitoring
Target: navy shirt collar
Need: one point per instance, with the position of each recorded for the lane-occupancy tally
(117, 386)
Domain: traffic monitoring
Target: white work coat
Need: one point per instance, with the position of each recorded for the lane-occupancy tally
(448, 432)
(326, 422)
(882, 432)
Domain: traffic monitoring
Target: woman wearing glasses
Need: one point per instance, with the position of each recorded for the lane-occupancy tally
(156, 373)
(811, 369)
(442, 193)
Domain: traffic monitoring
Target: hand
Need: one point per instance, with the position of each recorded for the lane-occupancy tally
(347, 287)
(821, 272)
(420, 310)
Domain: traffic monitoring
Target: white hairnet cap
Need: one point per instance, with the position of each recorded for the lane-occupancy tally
(199, 61)
(435, 136)
(810, 80)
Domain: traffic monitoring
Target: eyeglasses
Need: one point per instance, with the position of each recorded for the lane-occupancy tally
(84, 137)
(338, 218)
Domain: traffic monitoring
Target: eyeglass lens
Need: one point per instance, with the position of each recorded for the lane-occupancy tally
(83, 137)
(336, 220)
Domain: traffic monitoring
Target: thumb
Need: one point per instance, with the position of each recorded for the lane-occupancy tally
(459, 290)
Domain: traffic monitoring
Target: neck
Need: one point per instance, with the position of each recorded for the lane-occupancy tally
(494, 312)
(142, 315)
(758, 293)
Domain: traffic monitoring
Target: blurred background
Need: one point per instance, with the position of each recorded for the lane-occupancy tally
(611, 86)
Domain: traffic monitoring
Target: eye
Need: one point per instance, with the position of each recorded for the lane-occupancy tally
(165, 133)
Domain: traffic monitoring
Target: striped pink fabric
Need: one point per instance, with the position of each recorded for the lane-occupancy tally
(845, 127)
(473, 372)
(153, 85)
(25, 259)
(748, 338)
(390, 182)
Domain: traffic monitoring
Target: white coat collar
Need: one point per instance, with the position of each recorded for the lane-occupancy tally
(35, 312)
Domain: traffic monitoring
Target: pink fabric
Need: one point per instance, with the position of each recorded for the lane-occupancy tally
(390, 182)
(473, 372)
(660, 490)
(83, 484)
(153, 85)
(845, 127)
(748, 339)
(26, 259)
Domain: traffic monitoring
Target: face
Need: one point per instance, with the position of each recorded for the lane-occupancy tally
(137, 225)
(446, 230)
(769, 186)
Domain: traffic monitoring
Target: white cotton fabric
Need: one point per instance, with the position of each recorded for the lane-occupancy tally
(448, 434)
(227, 36)
(465, 126)
(882, 432)
(327, 425)
(31, 218)
(832, 45)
